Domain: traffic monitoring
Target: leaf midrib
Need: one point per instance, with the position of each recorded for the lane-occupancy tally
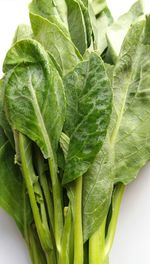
(119, 118)
(39, 117)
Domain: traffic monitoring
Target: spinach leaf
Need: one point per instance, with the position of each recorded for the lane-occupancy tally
(51, 10)
(87, 19)
(126, 148)
(77, 25)
(132, 125)
(117, 31)
(23, 32)
(56, 42)
(3, 120)
(91, 115)
(13, 196)
(98, 6)
(103, 21)
(34, 95)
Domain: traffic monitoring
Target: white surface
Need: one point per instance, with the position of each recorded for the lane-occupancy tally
(132, 240)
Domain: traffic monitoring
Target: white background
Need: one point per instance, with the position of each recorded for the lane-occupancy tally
(132, 240)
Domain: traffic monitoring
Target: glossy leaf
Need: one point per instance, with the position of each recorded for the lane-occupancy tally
(34, 95)
(55, 42)
(91, 115)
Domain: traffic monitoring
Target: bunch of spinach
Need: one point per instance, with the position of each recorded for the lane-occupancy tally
(74, 126)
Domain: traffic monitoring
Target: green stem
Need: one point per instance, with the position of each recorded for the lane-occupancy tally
(78, 236)
(36, 252)
(66, 254)
(29, 176)
(116, 202)
(45, 187)
(97, 246)
(58, 207)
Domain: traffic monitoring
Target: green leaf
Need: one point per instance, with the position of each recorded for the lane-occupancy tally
(34, 95)
(103, 21)
(77, 25)
(117, 31)
(55, 42)
(3, 120)
(90, 115)
(23, 32)
(13, 196)
(87, 19)
(54, 11)
(126, 149)
(98, 6)
(132, 125)
(110, 71)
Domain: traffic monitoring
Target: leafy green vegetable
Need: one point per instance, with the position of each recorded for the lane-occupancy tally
(55, 42)
(51, 10)
(119, 29)
(74, 127)
(77, 25)
(129, 127)
(89, 117)
(23, 32)
(13, 196)
(34, 116)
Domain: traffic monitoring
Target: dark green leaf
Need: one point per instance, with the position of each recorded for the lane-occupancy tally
(13, 196)
(3, 121)
(77, 25)
(90, 116)
(34, 95)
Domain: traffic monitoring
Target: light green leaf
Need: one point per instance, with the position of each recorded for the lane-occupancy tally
(89, 115)
(110, 71)
(55, 42)
(23, 32)
(54, 11)
(117, 31)
(98, 6)
(34, 95)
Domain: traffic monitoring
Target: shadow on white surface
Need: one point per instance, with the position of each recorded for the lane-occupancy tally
(12, 247)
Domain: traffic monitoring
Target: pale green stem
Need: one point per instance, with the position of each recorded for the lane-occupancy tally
(116, 202)
(78, 236)
(45, 187)
(58, 207)
(97, 246)
(42, 228)
(66, 246)
(36, 252)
